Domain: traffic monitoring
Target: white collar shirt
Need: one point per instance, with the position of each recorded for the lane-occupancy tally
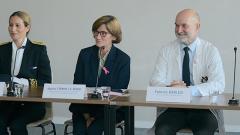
(17, 55)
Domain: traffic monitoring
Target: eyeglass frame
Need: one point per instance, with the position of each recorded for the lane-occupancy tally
(102, 33)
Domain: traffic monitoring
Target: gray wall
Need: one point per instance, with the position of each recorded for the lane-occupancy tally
(65, 25)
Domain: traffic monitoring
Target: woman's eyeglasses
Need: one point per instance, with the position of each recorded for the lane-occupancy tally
(102, 33)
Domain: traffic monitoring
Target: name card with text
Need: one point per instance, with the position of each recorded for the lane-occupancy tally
(65, 91)
(168, 94)
(2, 88)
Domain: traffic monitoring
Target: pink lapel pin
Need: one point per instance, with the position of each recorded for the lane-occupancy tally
(105, 70)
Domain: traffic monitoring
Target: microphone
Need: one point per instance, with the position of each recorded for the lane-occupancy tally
(11, 91)
(234, 101)
(96, 94)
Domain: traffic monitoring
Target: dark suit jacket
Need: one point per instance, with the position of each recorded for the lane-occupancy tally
(35, 62)
(35, 65)
(117, 62)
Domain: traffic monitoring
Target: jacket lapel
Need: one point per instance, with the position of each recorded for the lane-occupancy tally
(178, 59)
(9, 57)
(94, 62)
(196, 69)
(25, 58)
(106, 78)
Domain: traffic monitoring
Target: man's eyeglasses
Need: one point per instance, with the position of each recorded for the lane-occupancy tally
(102, 33)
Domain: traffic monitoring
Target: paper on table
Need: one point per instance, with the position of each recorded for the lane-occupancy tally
(65, 91)
(112, 93)
(168, 94)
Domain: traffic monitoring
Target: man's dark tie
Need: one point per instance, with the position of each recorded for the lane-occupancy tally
(185, 69)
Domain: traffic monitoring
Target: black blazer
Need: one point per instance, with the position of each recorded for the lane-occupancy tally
(117, 63)
(35, 62)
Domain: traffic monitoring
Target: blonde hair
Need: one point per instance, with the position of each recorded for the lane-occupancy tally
(24, 16)
(112, 25)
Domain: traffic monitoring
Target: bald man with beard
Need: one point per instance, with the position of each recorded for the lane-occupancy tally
(192, 62)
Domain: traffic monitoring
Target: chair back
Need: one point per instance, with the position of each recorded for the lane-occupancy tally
(49, 111)
(47, 117)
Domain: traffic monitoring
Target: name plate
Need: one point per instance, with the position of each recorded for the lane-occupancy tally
(2, 88)
(168, 94)
(65, 91)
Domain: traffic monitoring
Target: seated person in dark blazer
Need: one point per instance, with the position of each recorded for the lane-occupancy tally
(27, 63)
(106, 61)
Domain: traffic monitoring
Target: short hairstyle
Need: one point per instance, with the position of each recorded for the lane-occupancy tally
(112, 25)
(193, 12)
(24, 16)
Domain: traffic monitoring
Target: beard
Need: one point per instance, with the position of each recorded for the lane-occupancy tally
(184, 38)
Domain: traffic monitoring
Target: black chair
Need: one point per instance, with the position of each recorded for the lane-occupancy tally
(46, 121)
(186, 130)
(69, 124)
